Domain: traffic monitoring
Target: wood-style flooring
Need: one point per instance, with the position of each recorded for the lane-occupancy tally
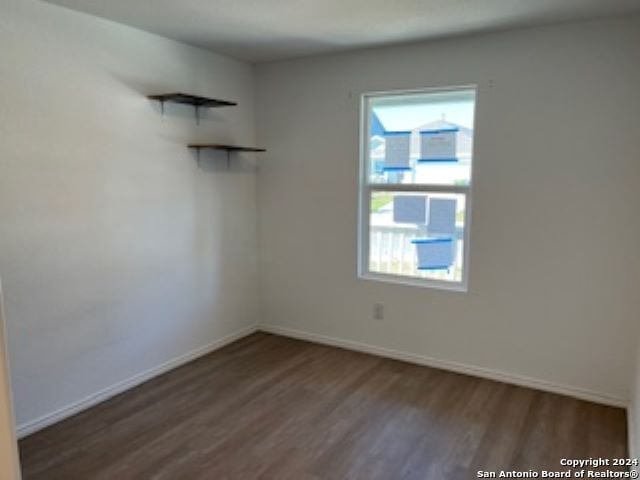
(270, 407)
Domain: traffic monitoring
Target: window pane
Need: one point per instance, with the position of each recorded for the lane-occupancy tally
(424, 138)
(417, 234)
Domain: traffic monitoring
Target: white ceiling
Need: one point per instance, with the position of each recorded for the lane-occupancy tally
(263, 30)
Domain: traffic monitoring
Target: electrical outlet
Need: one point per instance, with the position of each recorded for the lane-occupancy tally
(378, 311)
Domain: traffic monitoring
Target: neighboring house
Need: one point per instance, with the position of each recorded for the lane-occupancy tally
(464, 140)
(377, 142)
(377, 128)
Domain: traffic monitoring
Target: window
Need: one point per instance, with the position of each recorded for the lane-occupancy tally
(415, 186)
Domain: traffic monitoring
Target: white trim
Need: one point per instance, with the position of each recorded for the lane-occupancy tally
(568, 390)
(414, 282)
(418, 91)
(120, 387)
(631, 432)
(418, 187)
(76, 407)
(6, 396)
(632, 415)
(365, 188)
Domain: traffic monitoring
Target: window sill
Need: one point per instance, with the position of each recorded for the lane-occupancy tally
(461, 287)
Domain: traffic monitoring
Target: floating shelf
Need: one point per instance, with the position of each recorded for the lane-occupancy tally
(193, 100)
(226, 148)
(229, 148)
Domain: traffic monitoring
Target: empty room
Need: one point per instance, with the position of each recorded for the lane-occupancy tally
(319, 239)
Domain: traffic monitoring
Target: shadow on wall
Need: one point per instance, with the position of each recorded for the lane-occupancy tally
(224, 162)
(142, 89)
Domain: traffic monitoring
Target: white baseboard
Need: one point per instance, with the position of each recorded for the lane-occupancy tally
(46, 420)
(592, 396)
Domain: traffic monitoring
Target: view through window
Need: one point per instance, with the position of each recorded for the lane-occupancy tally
(416, 186)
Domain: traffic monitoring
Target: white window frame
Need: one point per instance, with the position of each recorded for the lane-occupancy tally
(366, 188)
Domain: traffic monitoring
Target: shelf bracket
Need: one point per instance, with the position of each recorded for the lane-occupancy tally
(162, 109)
(197, 113)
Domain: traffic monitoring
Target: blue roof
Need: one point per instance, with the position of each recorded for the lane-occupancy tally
(376, 126)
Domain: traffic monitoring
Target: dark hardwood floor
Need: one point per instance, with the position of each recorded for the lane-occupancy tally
(274, 408)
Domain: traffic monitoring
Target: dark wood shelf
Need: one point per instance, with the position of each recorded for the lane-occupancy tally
(228, 148)
(193, 100)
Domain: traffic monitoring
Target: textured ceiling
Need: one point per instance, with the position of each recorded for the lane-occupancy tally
(264, 30)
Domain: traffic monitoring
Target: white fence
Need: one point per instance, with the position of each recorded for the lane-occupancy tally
(391, 251)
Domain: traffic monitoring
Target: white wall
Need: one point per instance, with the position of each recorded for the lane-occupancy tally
(118, 251)
(121, 252)
(554, 238)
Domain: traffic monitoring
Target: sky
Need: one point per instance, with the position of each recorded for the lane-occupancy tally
(408, 117)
